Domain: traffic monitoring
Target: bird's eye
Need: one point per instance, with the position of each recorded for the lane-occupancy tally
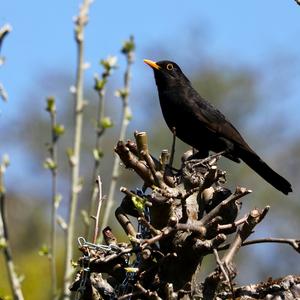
(169, 67)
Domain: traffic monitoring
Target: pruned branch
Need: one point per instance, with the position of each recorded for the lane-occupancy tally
(182, 216)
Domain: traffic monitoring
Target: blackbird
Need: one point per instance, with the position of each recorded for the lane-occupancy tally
(202, 126)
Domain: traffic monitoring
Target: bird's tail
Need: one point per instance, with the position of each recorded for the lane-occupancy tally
(261, 168)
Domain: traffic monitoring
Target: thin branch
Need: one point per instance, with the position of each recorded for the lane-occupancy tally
(4, 238)
(102, 123)
(96, 218)
(51, 164)
(128, 50)
(240, 192)
(253, 219)
(74, 158)
(292, 242)
(4, 30)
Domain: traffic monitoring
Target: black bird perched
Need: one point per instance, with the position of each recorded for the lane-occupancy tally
(202, 126)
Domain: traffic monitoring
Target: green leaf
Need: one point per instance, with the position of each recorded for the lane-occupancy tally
(74, 264)
(106, 122)
(139, 203)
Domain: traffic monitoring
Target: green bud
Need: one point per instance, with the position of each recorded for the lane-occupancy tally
(128, 46)
(99, 84)
(59, 129)
(50, 164)
(57, 200)
(128, 114)
(4, 164)
(71, 157)
(98, 154)
(44, 250)
(3, 243)
(50, 105)
(62, 223)
(122, 93)
(109, 63)
(106, 122)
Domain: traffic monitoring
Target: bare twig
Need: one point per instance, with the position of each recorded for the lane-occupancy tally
(102, 123)
(240, 192)
(96, 218)
(128, 50)
(4, 30)
(51, 164)
(74, 158)
(4, 238)
(292, 242)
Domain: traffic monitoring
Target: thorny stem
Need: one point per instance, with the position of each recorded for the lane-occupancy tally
(81, 21)
(124, 124)
(4, 239)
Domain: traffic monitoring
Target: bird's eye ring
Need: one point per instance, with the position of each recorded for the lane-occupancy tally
(169, 67)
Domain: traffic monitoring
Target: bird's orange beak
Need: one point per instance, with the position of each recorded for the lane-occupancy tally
(152, 64)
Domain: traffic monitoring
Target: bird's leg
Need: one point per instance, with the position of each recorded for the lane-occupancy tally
(173, 147)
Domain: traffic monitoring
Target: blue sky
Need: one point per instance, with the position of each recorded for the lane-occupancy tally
(42, 37)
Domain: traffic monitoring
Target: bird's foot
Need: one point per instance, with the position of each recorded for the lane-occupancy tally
(211, 159)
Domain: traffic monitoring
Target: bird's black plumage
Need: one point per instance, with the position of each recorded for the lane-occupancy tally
(202, 126)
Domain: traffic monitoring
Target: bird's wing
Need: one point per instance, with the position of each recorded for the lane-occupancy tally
(216, 122)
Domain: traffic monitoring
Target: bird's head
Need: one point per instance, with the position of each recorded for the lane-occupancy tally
(166, 73)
